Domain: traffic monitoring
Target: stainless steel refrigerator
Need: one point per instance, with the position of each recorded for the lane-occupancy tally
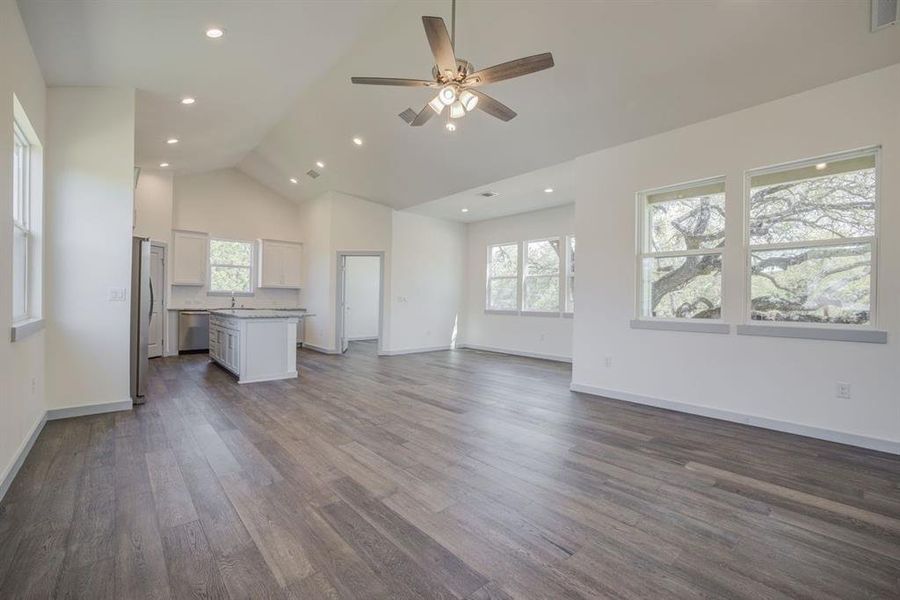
(141, 310)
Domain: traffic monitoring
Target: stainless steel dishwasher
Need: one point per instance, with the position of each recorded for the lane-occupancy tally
(193, 330)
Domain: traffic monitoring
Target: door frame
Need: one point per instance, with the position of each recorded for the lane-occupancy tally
(339, 312)
(164, 305)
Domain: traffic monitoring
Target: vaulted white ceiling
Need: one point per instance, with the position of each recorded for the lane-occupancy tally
(244, 83)
(274, 95)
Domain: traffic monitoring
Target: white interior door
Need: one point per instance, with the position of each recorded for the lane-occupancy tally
(363, 283)
(157, 281)
(345, 339)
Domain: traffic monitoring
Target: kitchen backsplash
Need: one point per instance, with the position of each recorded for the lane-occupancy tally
(195, 297)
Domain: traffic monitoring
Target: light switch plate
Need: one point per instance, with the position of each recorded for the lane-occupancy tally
(117, 294)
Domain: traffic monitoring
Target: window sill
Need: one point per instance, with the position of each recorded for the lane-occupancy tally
(23, 329)
(837, 334)
(568, 315)
(490, 311)
(538, 313)
(690, 326)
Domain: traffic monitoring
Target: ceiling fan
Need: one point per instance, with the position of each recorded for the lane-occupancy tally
(456, 78)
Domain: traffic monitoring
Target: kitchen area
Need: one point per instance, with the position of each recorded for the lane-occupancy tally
(227, 273)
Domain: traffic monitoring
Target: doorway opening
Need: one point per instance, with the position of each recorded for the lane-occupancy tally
(157, 338)
(359, 314)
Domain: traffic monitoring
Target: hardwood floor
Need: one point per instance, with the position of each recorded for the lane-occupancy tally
(444, 475)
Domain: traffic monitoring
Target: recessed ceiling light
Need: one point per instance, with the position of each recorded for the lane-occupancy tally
(187, 100)
(821, 166)
(163, 164)
(465, 210)
(172, 141)
(294, 180)
(214, 33)
(548, 190)
(357, 141)
(320, 164)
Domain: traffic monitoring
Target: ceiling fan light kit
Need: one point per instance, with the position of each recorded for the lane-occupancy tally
(455, 78)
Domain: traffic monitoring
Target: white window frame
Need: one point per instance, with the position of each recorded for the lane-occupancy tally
(643, 245)
(22, 215)
(26, 216)
(523, 276)
(568, 303)
(210, 265)
(748, 249)
(489, 278)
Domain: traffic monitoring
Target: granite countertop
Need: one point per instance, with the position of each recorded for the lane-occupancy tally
(259, 313)
(208, 309)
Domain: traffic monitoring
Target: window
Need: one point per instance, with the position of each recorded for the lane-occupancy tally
(570, 274)
(230, 267)
(812, 240)
(540, 284)
(503, 277)
(680, 258)
(21, 217)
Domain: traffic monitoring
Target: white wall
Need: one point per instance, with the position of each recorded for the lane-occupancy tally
(791, 381)
(543, 336)
(153, 205)
(427, 262)
(332, 223)
(89, 204)
(315, 225)
(22, 401)
(363, 280)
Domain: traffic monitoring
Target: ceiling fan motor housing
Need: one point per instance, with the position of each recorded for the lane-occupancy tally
(463, 69)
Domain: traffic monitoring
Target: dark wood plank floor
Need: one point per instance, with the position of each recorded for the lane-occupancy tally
(445, 475)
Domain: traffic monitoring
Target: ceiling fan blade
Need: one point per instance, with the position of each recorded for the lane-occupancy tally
(392, 81)
(493, 107)
(513, 68)
(408, 115)
(424, 115)
(441, 47)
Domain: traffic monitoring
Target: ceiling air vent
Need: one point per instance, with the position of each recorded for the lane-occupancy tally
(488, 194)
(313, 173)
(884, 13)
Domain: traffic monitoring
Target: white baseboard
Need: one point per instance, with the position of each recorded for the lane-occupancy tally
(88, 409)
(413, 350)
(363, 338)
(21, 454)
(553, 357)
(829, 435)
(320, 349)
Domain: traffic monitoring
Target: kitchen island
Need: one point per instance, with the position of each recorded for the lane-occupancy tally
(256, 345)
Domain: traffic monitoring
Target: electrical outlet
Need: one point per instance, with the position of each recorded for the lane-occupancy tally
(843, 390)
(608, 361)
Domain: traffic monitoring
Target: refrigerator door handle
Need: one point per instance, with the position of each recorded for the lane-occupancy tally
(150, 312)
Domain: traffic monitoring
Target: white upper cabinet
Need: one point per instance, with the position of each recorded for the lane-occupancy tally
(280, 264)
(189, 249)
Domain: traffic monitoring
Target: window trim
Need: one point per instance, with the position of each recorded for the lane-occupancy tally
(642, 222)
(530, 312)
(568, 308)
(487, 281)
(209, 267)
(29, 208)
(750, 326)
(21, 206)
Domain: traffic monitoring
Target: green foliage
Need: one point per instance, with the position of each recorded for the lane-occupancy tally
(230, 266)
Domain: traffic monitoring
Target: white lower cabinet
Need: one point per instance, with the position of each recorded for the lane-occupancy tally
(254, 349)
